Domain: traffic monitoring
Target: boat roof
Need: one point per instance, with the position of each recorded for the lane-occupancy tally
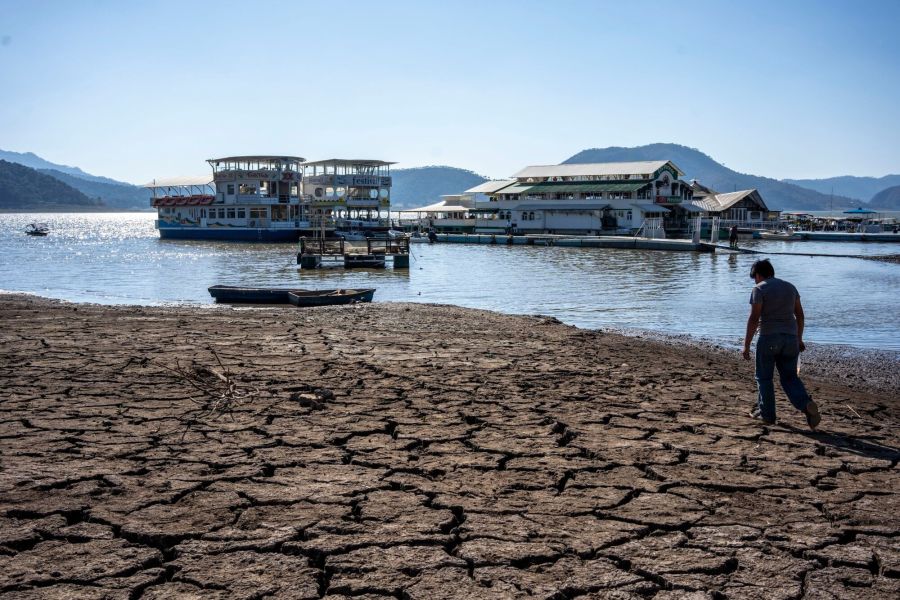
(257, 158)
(366, 162)
(184, 180)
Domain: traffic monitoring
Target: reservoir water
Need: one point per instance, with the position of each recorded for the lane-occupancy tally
(118, 258)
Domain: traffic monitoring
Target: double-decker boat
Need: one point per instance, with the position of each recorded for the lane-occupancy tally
(272, 199)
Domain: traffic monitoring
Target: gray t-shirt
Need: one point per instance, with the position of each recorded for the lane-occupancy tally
(777, 298)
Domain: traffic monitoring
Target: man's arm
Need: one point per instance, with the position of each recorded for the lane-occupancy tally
(798, 314)
(752, 325)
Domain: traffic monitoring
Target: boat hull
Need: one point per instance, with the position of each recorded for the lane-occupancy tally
(330, 297)
(251, 295)
(234, 234)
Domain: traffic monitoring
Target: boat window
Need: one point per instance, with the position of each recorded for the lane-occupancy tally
(329, 191)
(230, 213)
(231, 189)
(341, 192)
(247, 190)
(383, 192)
(240, 213)
(257, 213)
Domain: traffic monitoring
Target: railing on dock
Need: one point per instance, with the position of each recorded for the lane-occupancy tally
(322, 246)
(387, 245)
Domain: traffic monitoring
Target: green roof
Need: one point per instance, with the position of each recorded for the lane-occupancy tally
(567, 188)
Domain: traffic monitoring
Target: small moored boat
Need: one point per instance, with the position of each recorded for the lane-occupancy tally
(251, 295)
(329, 297)
(37, 229)
(779, 235)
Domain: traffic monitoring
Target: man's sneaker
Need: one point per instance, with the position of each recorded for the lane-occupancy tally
(757, 414)
(813, 418)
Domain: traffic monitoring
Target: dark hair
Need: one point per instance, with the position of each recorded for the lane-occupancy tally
(763, 268)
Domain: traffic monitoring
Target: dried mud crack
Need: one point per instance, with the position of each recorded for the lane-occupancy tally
(415, 451)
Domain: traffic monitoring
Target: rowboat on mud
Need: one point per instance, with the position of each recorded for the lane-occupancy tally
(251, 295)
(329, 297)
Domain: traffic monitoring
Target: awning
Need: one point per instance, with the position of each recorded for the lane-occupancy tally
(184, 181)
(490, 187)
(651, 208)
(515, 189)
(435, 208)
(562, 206)
(569, 188)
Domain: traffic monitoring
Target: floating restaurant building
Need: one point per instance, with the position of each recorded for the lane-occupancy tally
(594, 199)
(576, 199)
(274, 199)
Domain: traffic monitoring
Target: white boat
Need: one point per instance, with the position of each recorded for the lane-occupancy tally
(784, 236)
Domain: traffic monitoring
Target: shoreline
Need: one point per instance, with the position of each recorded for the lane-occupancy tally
(421, 451)
(872, 368)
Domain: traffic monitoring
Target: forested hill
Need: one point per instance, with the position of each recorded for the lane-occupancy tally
(421, 186)
(23, 188)
(699, 166)
(888, 199)
(114, 194)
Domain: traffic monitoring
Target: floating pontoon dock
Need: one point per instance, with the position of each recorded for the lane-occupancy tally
(610, 241)
(316, 253)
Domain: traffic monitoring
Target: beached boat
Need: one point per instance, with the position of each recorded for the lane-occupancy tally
(329, 297)
(252, 295)
(37, 229)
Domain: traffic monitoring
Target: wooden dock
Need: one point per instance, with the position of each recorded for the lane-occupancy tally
(316, 253)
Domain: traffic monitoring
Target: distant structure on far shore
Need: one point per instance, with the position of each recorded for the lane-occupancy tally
(594, 199)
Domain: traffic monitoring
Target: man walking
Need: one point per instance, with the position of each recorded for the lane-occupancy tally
(776, 310)
(733, 236)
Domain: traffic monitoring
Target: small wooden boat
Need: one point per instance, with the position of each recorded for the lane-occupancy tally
(251, 295)
(329, 297)
(37, 229)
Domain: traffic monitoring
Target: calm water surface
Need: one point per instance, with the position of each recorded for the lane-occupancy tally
(119, 259)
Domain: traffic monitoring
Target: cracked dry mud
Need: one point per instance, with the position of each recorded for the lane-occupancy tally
(420, 452)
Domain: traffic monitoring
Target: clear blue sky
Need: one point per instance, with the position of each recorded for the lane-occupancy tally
(137, 90)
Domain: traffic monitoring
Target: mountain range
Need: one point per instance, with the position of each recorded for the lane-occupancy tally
(859, 188)
(425, 185)
(697, 165)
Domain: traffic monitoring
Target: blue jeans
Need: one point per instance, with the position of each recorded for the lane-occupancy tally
(778, 350)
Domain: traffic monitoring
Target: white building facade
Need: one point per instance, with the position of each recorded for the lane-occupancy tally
(582, 199)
